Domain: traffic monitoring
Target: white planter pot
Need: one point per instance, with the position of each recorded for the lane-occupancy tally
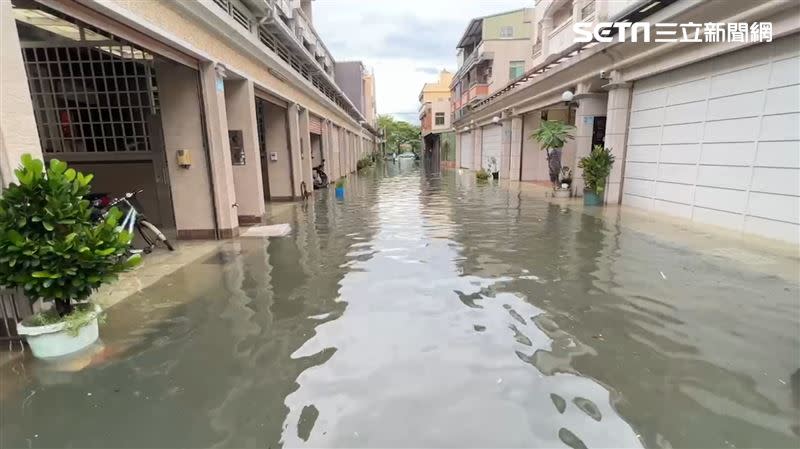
(53, 340)
(561, 193)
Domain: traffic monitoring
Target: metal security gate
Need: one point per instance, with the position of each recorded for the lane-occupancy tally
(466, 150)
(95, 100)
(491, 146)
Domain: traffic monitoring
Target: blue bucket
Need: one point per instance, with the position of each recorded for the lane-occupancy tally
(340, 193)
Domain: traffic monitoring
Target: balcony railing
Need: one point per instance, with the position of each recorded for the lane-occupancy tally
(284, 7)
(305, 31)
(476, 56)
(424, 106)
(278, 37)
(478, 91)
(561, 38)
(537, 49)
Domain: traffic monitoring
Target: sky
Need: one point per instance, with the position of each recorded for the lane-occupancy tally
(404, 42)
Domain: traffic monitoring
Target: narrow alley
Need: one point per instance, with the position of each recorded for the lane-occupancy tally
(433, 311)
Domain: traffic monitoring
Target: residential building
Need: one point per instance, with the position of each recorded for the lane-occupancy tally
(434, 116)
(213, 107)
(359, 86)
(493, 50)
(706, 131)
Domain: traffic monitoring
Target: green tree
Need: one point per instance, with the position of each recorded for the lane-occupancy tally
(399, 132)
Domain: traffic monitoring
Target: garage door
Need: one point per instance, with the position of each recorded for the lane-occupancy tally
(490, 146)
(718, 141)
(466, 150)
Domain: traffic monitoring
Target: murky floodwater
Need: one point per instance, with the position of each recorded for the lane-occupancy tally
(430, 312)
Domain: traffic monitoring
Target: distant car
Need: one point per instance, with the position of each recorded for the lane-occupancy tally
(408, 155)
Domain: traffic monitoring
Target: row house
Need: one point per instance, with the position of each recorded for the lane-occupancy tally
(212, 107)
(435, 118)
(701, 110)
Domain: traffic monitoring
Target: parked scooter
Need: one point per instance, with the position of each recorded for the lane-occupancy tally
(320, 178)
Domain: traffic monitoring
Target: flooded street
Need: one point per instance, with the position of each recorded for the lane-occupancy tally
(427, 311)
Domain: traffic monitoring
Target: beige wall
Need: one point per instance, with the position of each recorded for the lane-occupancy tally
(519, 20)
(218, 148)
(18, 134)
(280, 171)
(183, 130)
(506, 51)
(444, 107)
(370, 106)
(534, 160)
(241, 112)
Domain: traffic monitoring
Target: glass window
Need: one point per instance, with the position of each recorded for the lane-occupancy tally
(439, 118)
(507, 31)
(516, 69)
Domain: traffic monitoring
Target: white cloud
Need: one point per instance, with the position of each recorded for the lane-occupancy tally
(402, 41)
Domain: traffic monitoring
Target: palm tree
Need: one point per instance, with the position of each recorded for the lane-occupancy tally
(552, 135)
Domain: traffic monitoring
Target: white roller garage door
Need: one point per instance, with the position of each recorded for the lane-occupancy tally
(466, 150)
(719, 141)
(492, 137)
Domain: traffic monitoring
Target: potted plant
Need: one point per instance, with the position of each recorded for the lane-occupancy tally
(596, 168)
(482, 175)
(552, 135)
(340, 188)
(51, 249)
(492, 166)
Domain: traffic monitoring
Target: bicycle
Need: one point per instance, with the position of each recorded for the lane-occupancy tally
(101, 203)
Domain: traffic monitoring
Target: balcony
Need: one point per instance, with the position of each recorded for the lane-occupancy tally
(284, 7)
(478, 55)
(308, 37)
(477, 91)
(423, 107)
(561, 38)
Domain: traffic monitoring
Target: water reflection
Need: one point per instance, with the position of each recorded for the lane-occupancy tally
(428, 311)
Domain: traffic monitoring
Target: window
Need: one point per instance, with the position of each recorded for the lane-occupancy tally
(516, 69)
(439, 118)
(507, 31)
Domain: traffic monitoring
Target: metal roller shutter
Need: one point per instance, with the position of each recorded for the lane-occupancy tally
(718, 142)
(466, 150)
(314, 124)
(491, 146)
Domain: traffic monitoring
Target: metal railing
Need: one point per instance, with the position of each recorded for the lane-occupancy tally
(279, 37)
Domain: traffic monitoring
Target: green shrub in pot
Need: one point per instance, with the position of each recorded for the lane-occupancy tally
(49, 246)
(482, 175)
(596, 168)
